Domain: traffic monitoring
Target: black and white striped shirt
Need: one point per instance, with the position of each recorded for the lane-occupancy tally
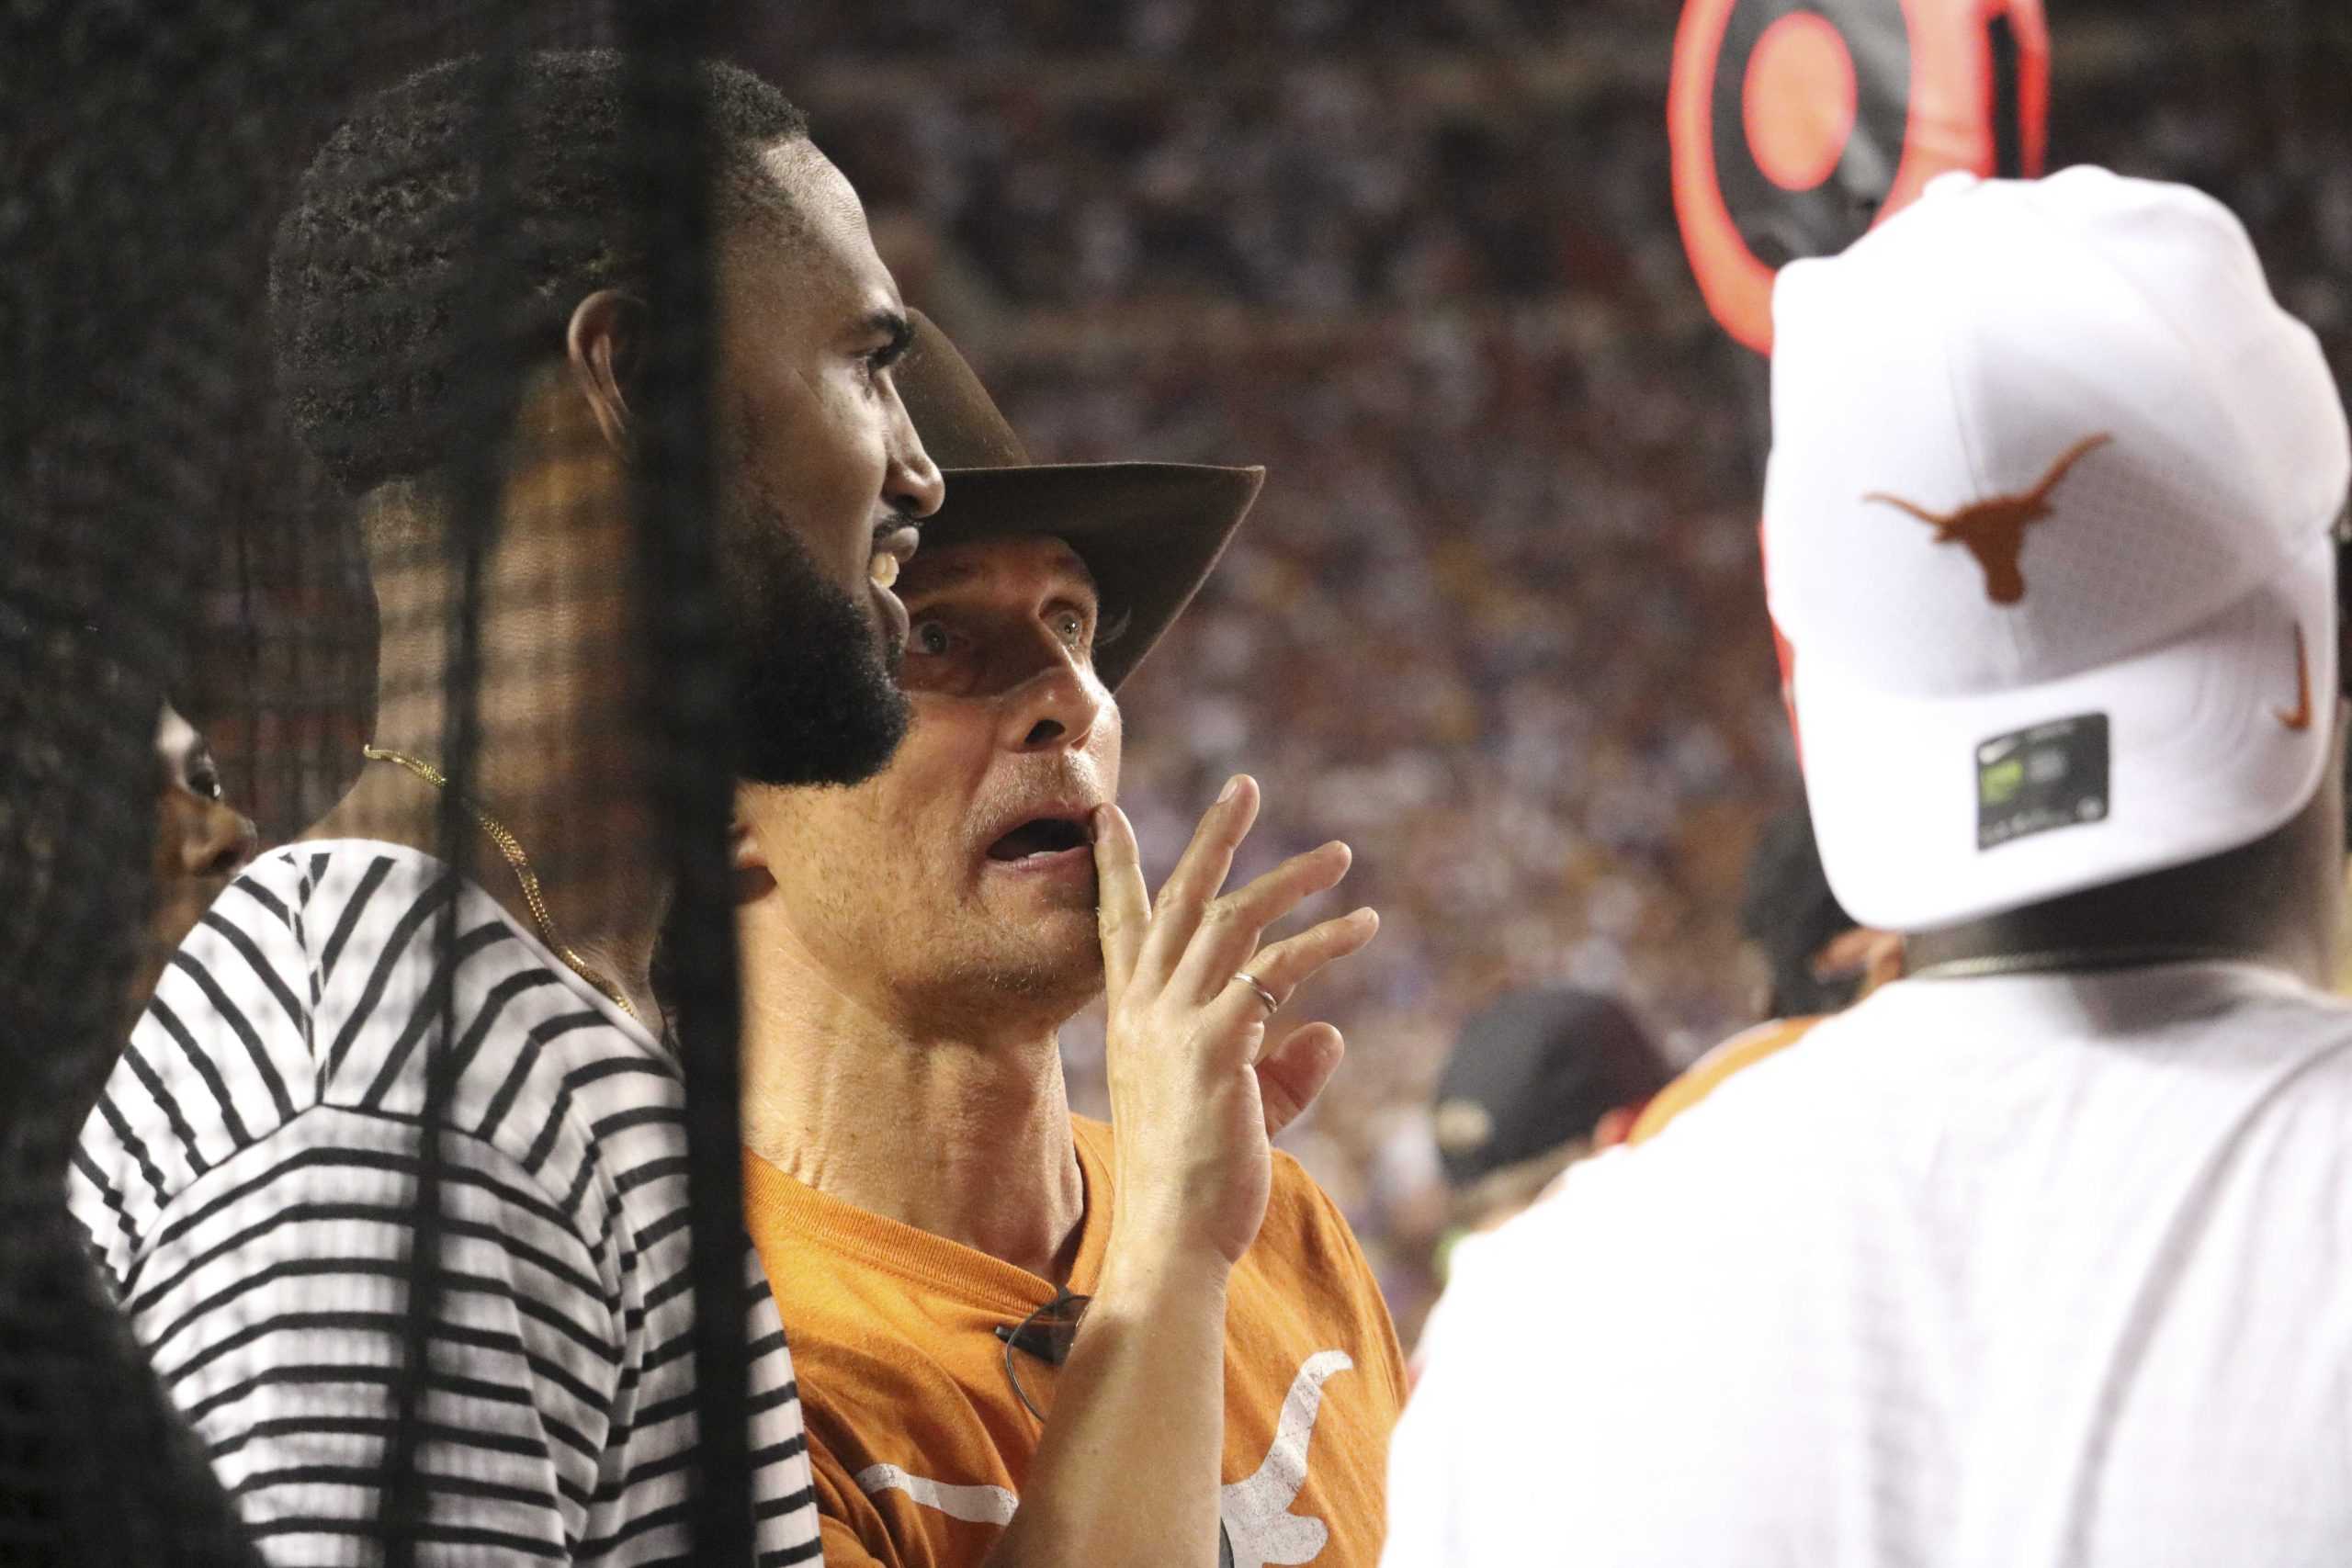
(249, 1178)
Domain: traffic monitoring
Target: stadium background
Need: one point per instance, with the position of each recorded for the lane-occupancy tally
(1495, 619)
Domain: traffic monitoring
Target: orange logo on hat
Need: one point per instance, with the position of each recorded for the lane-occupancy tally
(2300, 718)
(1994, 530)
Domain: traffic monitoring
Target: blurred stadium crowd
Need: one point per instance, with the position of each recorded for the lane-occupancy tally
(1495, 619)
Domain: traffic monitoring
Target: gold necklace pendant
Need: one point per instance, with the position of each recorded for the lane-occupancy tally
(512, 848)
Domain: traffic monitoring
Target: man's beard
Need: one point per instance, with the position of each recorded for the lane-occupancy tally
(814, 699)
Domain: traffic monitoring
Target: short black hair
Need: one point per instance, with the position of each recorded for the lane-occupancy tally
(374, 261)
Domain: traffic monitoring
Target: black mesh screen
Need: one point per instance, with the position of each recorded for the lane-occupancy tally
(169, 539)
(120, 379)
(1494, 620)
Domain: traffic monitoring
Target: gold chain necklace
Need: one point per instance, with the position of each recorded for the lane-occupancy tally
(512, 848)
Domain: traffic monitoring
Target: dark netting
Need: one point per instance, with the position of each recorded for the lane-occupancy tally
(117, 381)
(267, 437)
(1495, 619)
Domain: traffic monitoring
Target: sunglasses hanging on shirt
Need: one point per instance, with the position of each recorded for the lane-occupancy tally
(1045, 1335)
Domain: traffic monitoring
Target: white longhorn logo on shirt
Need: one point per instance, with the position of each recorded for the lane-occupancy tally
(973, 1505)
(1258, 1524)
(1259, 1529)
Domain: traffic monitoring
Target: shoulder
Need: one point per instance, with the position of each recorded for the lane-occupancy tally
(1703, 1076)
(1304, 1231)
(2291, 1039)
(1299, 1200)
(2304, 1017)
(1786, 1085)
(1650, 1219)
(325, 979)
(1308, 1259)
(430, 968)
(218, 1061)
(882, 1344)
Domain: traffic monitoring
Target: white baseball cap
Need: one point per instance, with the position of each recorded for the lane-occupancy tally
(2047, 538)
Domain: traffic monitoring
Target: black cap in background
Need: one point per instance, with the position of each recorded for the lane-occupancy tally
(1536, 1070)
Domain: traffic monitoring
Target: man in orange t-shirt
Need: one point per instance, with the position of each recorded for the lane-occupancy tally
(1020, 1336)
(922, 1443)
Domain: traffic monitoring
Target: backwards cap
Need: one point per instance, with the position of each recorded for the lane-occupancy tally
(2047, 535)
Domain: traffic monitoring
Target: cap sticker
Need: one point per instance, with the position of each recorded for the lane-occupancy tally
(2053, 775)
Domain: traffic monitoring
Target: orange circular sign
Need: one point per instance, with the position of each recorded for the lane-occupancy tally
(1799, 100)
(1796, 125)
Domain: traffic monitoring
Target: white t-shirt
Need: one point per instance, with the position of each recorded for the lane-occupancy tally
(2003, 1273)
(249, 1181)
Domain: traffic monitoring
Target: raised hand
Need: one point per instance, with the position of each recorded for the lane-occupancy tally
(1195, 1095)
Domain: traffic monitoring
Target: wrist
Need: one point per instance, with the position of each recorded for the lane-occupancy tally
(1160, 1269)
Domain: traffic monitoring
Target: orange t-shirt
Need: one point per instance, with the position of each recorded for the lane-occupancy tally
(920, 1445)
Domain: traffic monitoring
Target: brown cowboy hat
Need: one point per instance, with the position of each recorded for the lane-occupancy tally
(1148, 533)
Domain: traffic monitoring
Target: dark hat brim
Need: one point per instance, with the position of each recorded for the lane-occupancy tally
(1149, 533)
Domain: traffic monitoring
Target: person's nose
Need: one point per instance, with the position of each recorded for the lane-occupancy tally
(217, 840)
(1056, 708)
(913, 484)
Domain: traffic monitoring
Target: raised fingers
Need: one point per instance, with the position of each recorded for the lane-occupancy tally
(1123, 906)
(1236, 1017)
(1229, 929)
(1287, 964)
(1199, 873)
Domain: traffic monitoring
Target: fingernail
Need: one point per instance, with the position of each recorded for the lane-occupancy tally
(1232, 788)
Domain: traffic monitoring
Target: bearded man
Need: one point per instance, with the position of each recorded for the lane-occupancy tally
(251, 1177)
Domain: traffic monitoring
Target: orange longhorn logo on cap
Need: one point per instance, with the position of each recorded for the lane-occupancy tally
(1994, 530)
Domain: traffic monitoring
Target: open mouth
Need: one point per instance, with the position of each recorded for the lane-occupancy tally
(1038, 837)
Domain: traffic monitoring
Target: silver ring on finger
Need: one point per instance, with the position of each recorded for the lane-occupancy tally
(1265, 996)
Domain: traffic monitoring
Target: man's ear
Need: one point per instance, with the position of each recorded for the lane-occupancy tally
(606, 345)
(749, 862)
